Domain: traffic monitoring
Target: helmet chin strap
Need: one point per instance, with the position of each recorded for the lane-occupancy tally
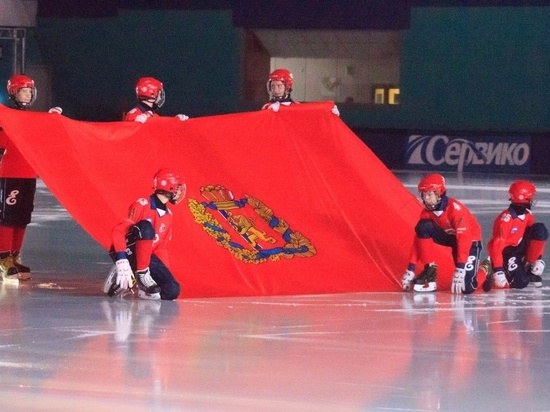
(163, 196)
(433, 207)
(521, 208)
(22, 105)
(285, 98)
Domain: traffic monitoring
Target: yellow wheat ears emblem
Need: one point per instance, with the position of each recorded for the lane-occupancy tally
(247, 227)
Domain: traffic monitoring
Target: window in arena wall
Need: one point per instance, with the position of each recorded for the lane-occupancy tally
(338, 65)
(385, 94)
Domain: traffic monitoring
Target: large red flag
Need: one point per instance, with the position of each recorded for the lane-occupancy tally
(287, 202)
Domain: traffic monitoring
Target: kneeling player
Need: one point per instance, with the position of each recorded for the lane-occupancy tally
(140, 242)
(517, 244)
(447, 222)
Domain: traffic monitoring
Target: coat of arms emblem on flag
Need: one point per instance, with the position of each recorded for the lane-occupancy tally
(246, 227)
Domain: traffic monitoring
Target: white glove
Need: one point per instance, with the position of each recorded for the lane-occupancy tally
(500, 279)
(275, 106)
(538, 267)
(407, 279)
(335, 110)
(56, 109)
(141, 118)
(182, 117)
(124, 274)
(458, 285)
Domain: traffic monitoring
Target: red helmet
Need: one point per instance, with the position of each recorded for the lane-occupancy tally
(170, 184)
(282, 75)
(522, 192)
(149, 88)
(18, 82)
(433, 183)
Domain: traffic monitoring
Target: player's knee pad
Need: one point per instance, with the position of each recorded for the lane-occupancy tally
(143, 230)
(425, 228)
(538, 231)
(170, 291)
(519, 280)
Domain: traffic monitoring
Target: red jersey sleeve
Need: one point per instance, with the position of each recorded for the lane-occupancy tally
(135, 213)
(466, 228)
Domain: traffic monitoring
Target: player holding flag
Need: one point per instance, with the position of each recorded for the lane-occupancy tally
(17, 186)
(150, 95)
(444, 221)
(140, 243)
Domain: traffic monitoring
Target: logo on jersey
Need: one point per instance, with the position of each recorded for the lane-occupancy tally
(11, 199)
(246, 227)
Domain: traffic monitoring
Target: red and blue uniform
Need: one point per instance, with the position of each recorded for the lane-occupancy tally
(143, 239)
(458, 228)
(17, 188)
(454, 226)
(516, 243)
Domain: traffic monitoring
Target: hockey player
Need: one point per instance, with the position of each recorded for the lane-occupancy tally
(140, 242)
(444, 221)
(279, 87)
(517, 243)
(151, 97)
(17, 186)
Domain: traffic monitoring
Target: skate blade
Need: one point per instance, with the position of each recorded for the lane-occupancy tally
(144, 295)
(123, 293)
(426, 287)
(109, 280)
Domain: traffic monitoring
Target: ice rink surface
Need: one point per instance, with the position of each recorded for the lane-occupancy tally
(66, 347)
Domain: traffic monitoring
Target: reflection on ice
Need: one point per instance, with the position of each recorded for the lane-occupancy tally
(63, 343)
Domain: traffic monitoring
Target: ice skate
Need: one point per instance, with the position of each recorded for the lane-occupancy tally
(17, 262)
(535, 272)
(10, 270)
(535, 280)
(426, 281)
(147, 287)
(488, 269)
(111, 288)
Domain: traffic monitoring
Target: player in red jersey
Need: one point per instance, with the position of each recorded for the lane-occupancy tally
(17, 186)
(279, 87)
(517, 243)
(140, 243)
(151, 97)
(447, 222)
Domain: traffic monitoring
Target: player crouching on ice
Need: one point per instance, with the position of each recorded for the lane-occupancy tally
(517, 244)
(140, 242)
(447, 222)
